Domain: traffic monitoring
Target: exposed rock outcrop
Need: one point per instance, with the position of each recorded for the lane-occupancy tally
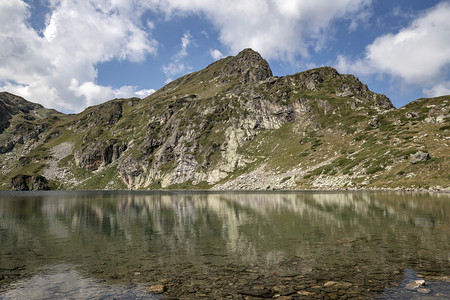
(5, 116)
(249, 66)
(22, 121)
(29, 183)
(99, 154)
(7, 146)
(132, 171)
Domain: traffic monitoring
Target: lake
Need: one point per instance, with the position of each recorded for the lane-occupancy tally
(224, 245)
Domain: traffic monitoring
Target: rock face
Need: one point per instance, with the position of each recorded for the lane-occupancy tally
(232, 125)
(99, 154)
(29, 183)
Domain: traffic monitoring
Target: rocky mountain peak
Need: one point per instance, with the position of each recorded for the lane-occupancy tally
(329, 80)
(246, 67)
(250, 65)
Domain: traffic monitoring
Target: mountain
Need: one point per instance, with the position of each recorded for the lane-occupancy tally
(232, 125)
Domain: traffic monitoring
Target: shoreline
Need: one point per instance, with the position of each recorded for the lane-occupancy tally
(373, 189)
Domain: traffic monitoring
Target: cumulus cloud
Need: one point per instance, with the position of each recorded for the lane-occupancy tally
(96, 94)
(215, 54)
(56, 67)
(438, 90)
(418, 54)
(277, 29)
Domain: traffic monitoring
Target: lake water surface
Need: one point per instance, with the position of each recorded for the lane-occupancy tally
(232, 245)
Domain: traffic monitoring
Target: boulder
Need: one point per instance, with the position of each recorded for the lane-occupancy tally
(419, 156)
(411, 114)
(8, 146)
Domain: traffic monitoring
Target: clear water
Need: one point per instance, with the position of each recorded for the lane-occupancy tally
(120, 245)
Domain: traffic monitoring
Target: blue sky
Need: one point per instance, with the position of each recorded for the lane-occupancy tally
(70, 54)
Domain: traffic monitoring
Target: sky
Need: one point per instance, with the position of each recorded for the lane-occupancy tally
(71, 54)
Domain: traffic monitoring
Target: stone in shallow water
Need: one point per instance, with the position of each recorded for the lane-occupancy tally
(262, 293)
(333, 296)
(156, 289)
(415, 284)
(306, 293)
(424, 290)
(329, 283)
(343, 285)
(288, 274)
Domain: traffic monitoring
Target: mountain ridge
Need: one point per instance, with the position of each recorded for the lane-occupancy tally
(233, 125)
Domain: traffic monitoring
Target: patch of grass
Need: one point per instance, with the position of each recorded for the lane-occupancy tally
(188, 185)
(374, 169)
(65, 161)
(407, 153)
(101, 180)
(155, 185)
(322, 170)
(281, 145)
(360, 137)
(285, 179)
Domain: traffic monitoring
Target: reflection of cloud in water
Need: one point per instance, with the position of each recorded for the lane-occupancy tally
(63, 282)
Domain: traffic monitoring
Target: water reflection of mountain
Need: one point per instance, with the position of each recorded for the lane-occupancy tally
(155, 230)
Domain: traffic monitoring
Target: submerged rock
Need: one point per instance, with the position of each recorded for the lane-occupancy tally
(156, 289)
(413, 285)
(261, 293)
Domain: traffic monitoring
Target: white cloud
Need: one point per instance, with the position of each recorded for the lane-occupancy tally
(96, 94)
(93, 93)
(438, 90)
(215, 54)
(78, 35)
(144, 92)
(173, 68)
(277, 29)
(185, 41)
(418, 54)
(41, 66)
(177, 66)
